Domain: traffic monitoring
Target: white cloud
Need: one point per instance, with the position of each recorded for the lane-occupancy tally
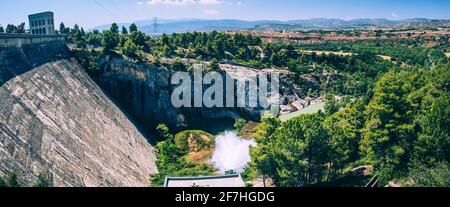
(211, 12)
(189, 2)
(171, 2)
(209, 2)
(395, 15)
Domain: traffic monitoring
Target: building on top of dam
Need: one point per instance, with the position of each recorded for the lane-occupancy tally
(42, 23)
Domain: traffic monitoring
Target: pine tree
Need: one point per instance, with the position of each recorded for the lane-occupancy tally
(42, 181)
(214, 65)
(389, 129)
(133, 28)
(130, 49)
(110, 41)
(124, 30)
(114, 28)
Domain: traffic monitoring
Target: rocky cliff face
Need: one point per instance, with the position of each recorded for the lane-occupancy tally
(55, 119)
(145, 92)
(142, 90)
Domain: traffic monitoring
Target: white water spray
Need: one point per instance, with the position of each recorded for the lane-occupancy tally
(232, 152)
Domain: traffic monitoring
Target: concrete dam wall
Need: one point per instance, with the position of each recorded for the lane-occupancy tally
(55, 120)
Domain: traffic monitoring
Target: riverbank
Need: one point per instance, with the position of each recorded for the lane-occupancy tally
(311, 109)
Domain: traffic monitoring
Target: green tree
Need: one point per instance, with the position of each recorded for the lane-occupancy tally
(42, 181)
(2, 30)
(130, 49)
(124, 30)
(172, 152)
(239, 125)
(11, 181)
(62, 28)
(139, 38)
(94, 38)
(259, 154)
(114, 28)
(344, 128)
(10, 28)
(331, 105)
(433, 143)
(389, 130)
(436, 57)
(297, 153)
(178, 65)
(133, 28)
(78, 37)
(214, 65)
(21, 28)
(110, 41)
(164, 132)
(436, 175)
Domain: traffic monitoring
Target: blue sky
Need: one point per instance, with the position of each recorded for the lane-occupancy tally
(90, 13)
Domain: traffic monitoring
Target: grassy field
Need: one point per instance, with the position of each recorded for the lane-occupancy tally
(313, 108)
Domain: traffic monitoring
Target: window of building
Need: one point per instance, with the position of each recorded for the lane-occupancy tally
(44, 31)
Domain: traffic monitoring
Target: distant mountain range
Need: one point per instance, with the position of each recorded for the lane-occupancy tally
(200, 25)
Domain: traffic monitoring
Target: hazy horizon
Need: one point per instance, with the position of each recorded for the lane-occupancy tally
(92, 13)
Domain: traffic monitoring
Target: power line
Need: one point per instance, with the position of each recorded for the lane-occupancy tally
(104, 8)
(118, 8)
(138, 10)
(119, 15)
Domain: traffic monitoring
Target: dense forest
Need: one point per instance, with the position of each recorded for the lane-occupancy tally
(396, 118)
(402, 129)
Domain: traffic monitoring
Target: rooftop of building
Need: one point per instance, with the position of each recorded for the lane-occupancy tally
(41, 14)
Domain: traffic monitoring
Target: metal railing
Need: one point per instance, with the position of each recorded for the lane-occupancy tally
(373, 183)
